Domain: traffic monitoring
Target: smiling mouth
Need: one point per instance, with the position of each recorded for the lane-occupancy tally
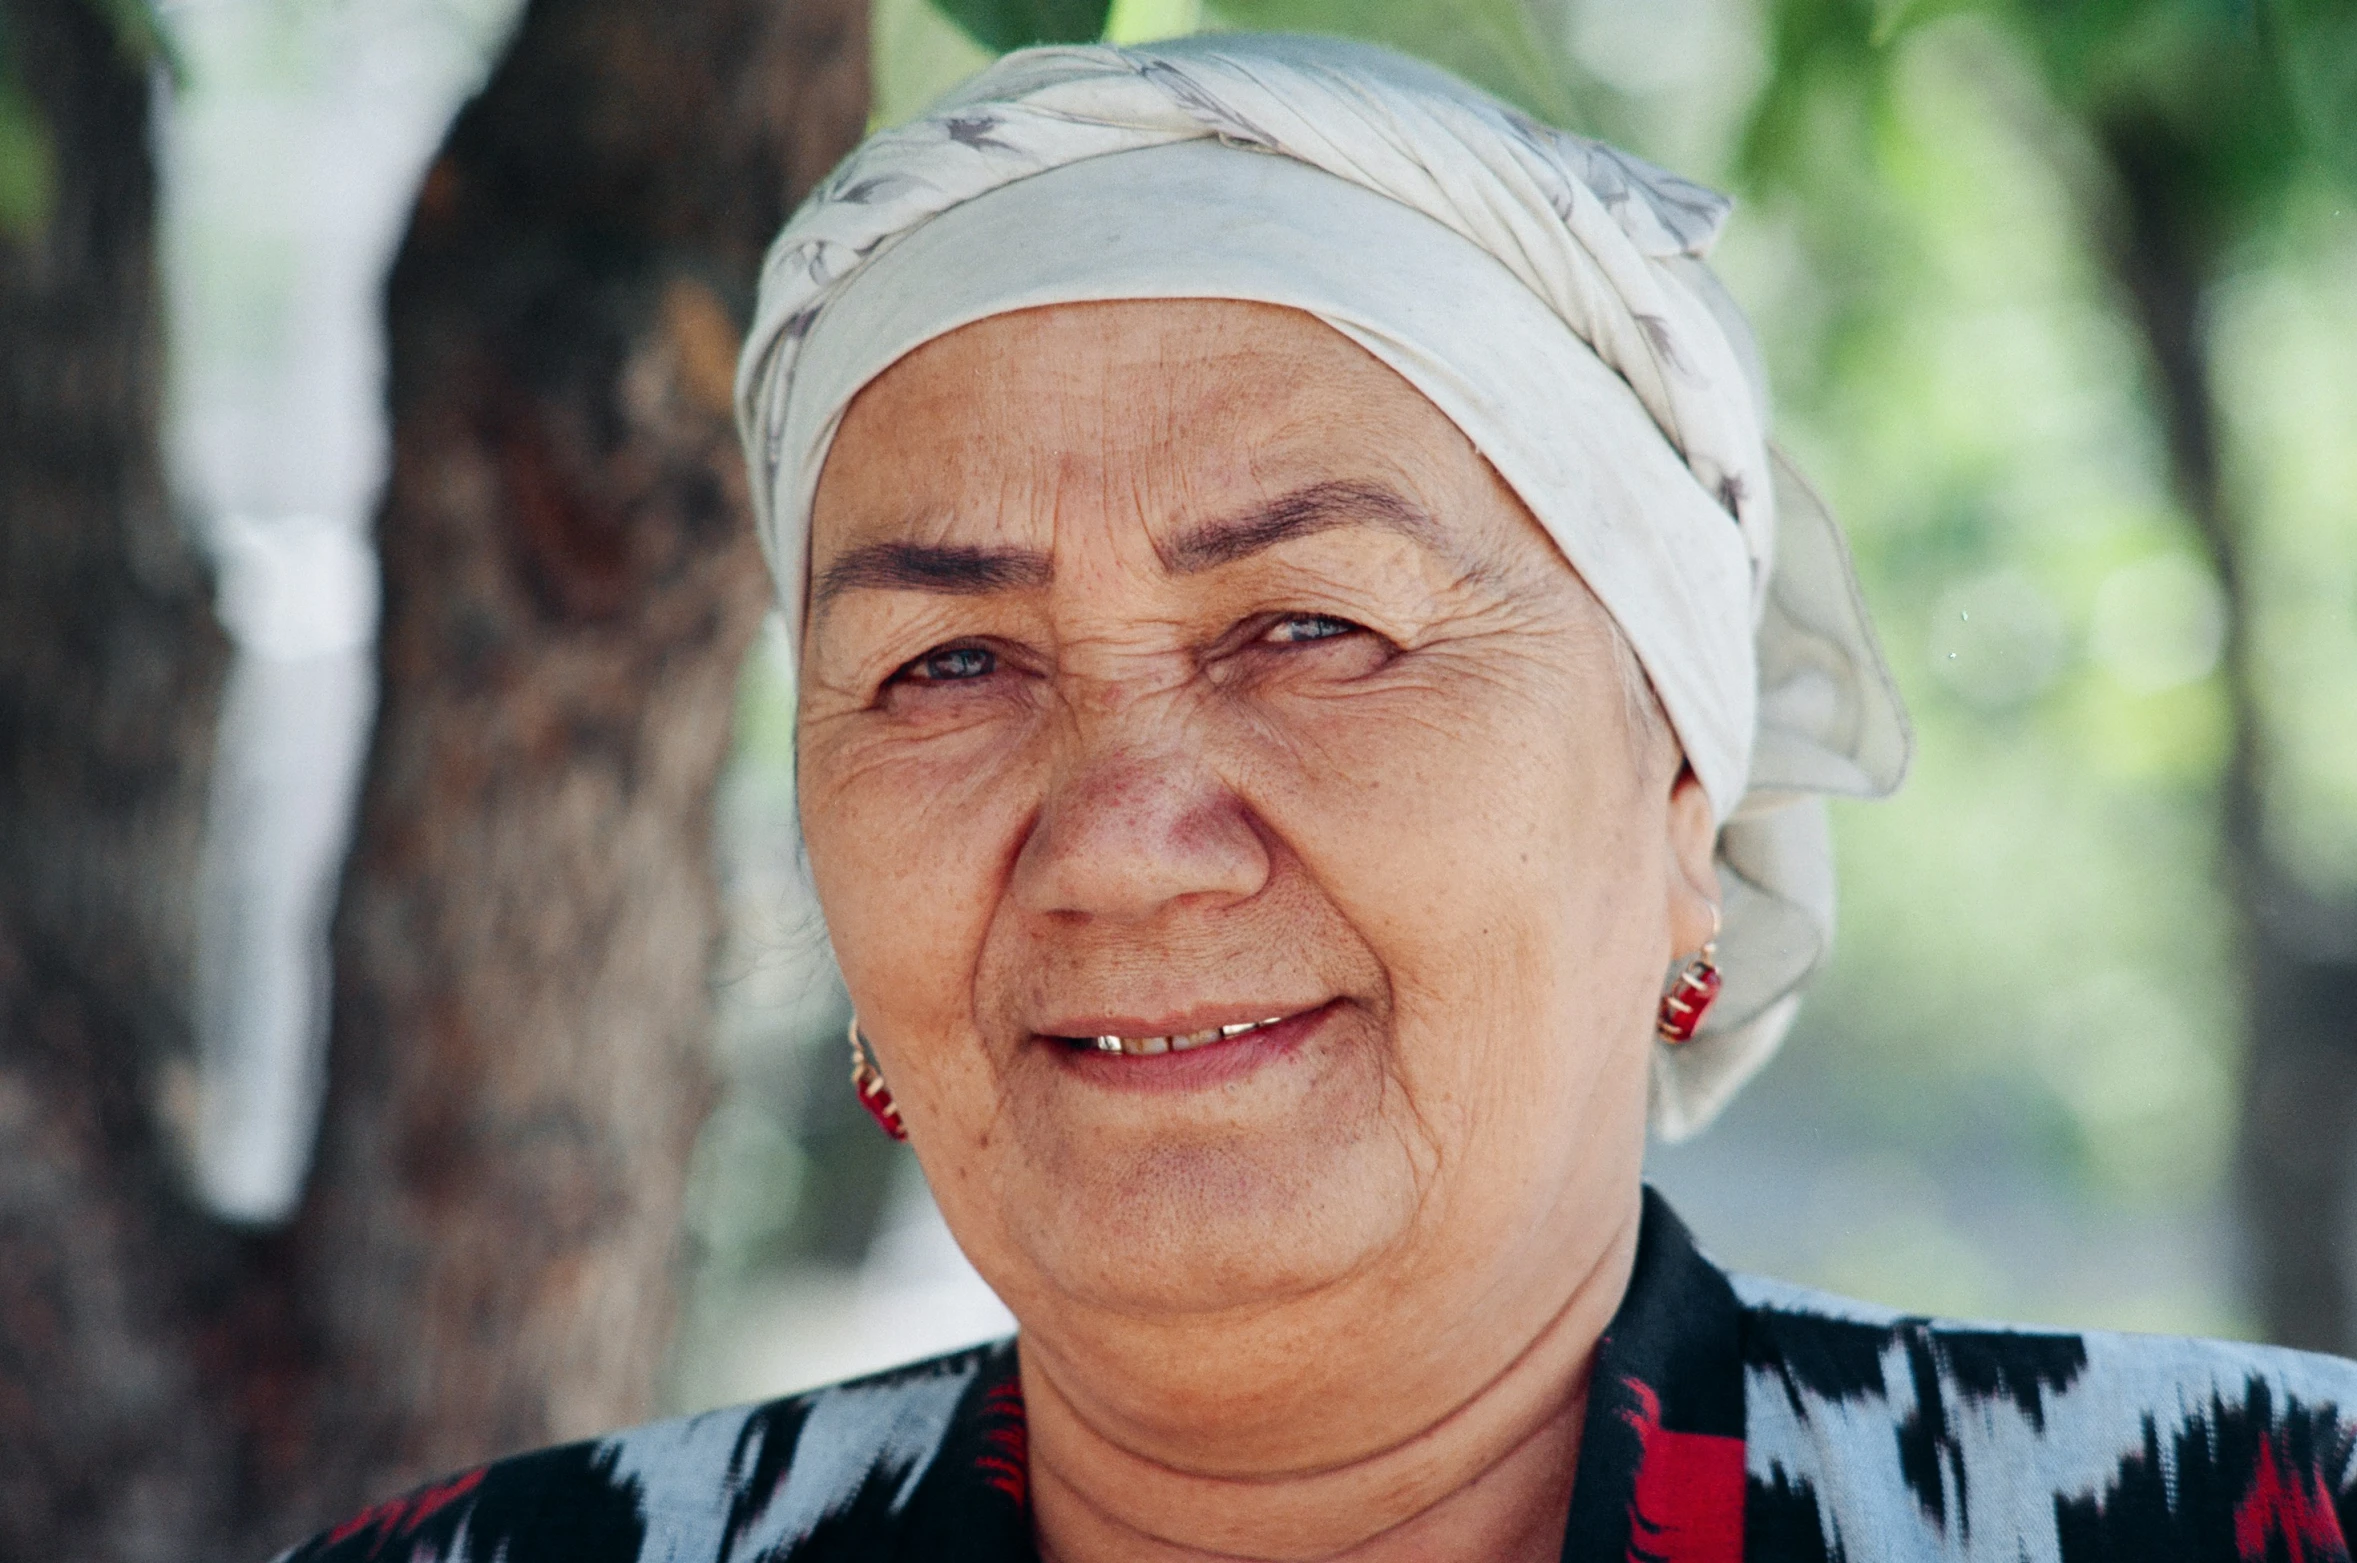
(1149, 1047)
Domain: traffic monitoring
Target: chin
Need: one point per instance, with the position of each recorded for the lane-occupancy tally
(1208, 1226)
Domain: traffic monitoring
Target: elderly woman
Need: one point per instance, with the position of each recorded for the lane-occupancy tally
(1311, 684)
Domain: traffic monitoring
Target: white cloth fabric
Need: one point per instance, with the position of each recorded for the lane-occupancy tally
(1544, 291)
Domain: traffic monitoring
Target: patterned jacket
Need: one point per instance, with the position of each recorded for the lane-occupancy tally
(1732, 1420)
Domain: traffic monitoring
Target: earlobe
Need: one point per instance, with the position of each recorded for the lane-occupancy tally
(1695, 893)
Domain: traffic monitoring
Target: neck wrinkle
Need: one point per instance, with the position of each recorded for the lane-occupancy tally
(1097, 1500)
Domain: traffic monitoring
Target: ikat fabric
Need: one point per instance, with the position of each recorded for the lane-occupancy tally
(1734, 1420)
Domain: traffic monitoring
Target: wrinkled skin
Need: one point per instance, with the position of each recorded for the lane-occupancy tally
(1171, 664)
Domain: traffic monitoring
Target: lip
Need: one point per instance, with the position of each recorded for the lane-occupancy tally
(1203, 1017)
(1211, 1064)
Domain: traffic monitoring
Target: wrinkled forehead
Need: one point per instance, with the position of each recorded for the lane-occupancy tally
(1164, 407)
(1171, 437)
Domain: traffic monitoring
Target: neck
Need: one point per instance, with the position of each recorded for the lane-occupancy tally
(1489, 1477)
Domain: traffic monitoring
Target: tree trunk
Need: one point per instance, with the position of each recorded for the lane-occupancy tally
(2297, 1150)
(571, 581)
(109, 664)
(486, 1259)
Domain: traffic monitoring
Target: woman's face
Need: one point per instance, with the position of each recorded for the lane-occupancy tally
(1175, 666)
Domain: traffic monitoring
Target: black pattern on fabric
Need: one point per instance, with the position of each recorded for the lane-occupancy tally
(1730, 1420)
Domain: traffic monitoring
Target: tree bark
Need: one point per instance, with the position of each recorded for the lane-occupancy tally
(109, 663)
(519, 1058)
(2297, 1137)
(487, 1256)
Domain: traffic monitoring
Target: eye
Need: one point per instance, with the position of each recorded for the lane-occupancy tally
(1299, 628)
(950, 665)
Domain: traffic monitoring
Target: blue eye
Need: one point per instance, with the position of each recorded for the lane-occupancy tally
(1302, 627)
(954, 664)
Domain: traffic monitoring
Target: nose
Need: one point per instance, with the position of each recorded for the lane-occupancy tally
(1126, 834)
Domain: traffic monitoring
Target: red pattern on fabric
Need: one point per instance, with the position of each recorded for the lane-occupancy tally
(399, 1516)
(1005, 1460)
(2286, 1503)
(1687, 1505)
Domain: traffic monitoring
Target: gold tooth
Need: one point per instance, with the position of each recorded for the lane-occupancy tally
(1148, 1047)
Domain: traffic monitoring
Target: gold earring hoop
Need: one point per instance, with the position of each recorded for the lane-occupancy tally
(868, 1081)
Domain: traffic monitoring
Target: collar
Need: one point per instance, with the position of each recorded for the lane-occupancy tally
(1661, 1458)
(1661, 1469)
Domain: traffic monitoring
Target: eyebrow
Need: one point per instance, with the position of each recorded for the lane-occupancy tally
(948, 570)
(1320, 507)
(964, 571)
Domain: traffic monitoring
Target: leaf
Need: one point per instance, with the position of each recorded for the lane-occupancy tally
(28, 167)
(1148, 21)
(1507, 47)
(28, 163)
(1014, 24)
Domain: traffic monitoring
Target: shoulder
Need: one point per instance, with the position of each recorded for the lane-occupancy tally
(1875, 1433)
(836, 1473)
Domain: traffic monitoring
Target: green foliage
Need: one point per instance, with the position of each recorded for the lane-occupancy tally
(2241, 99)
(139, 34)
(1509, 47)
(2039, 890)
(1013, 24)
(2247, 95)
(2235, 118)
(28, 160)
(1957, 364)
(28, 175)
(915, 55)
(1503, 46)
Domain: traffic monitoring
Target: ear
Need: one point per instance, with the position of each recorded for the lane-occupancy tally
(1694, 881)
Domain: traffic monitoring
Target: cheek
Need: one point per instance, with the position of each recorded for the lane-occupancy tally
(909, 856)
(1470, 805)
(1491, 841)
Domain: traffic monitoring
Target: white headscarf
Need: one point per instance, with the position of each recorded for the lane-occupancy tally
(1544, 291)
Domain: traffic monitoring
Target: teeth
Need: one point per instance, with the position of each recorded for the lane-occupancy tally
(1148, 1047)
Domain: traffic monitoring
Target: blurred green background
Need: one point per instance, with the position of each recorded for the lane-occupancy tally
(2060, 301)
(2133, 675)
(2014, 1091)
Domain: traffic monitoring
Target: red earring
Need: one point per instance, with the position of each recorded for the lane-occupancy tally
(868, 1081)
(1691, 993)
